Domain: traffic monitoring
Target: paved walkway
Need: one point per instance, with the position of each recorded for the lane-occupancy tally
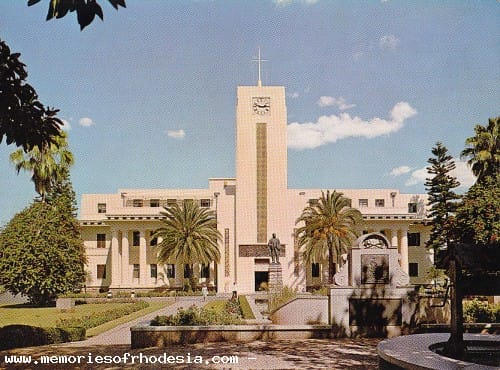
(111, 350)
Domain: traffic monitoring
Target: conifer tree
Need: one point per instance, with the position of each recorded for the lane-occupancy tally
(442, 198)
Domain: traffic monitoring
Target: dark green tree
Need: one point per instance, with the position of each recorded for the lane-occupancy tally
(478, 215)
(188, 235)
(41, 250)
(327, 230)
(24, 120)
(483, 150)
(86, 10)
(442, 198)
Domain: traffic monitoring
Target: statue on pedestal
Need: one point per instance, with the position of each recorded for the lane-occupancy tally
(274, 249)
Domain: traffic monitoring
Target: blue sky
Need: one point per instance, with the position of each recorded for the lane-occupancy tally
(149, 94)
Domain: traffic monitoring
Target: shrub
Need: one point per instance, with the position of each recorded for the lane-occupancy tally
(476, 311)
(321, 291)
(96, 319)
(15, 336)
(194, 316)
(277, 300)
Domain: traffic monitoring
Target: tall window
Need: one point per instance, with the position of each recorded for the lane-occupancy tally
(414, 239)
(379, 203)
(101, 240)
(188, 271)
(136, 238)
(413, 269)
(170, 271)
(101, 207)
(136, 273)
(315, 269)
(101, 271)
(154, 270)
(363, 203)
(205, 271)
(412, 207)
(205, 203)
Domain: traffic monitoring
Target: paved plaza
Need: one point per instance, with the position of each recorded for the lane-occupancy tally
(114, 348)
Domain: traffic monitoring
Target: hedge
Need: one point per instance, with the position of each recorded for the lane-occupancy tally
(15, 336)
(99, 318)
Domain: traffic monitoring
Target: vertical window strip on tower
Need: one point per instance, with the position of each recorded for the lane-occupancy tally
(261, 142)
(226, 253)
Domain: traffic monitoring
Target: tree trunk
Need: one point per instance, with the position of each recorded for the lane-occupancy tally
(331, 265)
(455, 346)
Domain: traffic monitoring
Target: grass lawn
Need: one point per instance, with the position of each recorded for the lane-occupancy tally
(217, 305)
(48, 316)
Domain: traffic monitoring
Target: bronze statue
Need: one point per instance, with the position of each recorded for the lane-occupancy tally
(274, 248)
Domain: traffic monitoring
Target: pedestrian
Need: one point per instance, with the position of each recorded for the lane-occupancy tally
(204, 292)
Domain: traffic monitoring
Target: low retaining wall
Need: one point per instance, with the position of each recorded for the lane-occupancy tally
(161, 336)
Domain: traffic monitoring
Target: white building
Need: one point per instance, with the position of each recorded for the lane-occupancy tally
(117, 227)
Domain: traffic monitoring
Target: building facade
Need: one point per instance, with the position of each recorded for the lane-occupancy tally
(117, 228)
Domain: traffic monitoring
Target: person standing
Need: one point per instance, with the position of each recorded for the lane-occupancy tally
(204, 292)
(274, 248)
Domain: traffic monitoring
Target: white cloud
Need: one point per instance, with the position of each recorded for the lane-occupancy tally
(401, 170)
(66, 126)
(329, 129)
(86, 122)
(462, 172)
(293, 95)
(388, 42)
(176, 134)
(329, 101)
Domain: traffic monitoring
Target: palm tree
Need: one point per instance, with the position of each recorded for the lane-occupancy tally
(47, 163)
(483, 150)
(328, 229)
(189, 235)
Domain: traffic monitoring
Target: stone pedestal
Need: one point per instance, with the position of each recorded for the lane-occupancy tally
(275, 283)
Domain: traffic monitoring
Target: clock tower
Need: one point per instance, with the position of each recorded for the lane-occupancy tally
(261, 173)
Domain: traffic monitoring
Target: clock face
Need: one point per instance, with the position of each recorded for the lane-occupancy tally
(261, 105)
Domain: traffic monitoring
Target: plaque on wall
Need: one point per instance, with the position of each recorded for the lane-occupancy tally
(374, 269)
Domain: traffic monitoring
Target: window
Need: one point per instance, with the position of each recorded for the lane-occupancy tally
(413, 269)
(153, 242)
(205, 203)
(137, 203)
(171, 202)
(313, 202)
(414, 239)
(136, 272)
(101, 207)
(136, 238)
(379, 203)
(187, 271)
(349, 202)
(412, 207)
(315, 269)
(154, 203)
(205, 271)
(154, 270)
(363, 203)
(101, 240)
(101, 271)
(170, 271)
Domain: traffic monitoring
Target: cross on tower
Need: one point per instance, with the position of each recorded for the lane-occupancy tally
(259, 60)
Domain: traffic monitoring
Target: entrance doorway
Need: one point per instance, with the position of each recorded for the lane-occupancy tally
(261, 277)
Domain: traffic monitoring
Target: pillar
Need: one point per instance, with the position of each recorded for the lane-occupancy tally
(143, 277)
(404, 250)
(115, 260)
(394, 238)
(126, 281)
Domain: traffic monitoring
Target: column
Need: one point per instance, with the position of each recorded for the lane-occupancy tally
(143, 277)
(125, 260)
(394, 238)
(404, 250)
(115, 260)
